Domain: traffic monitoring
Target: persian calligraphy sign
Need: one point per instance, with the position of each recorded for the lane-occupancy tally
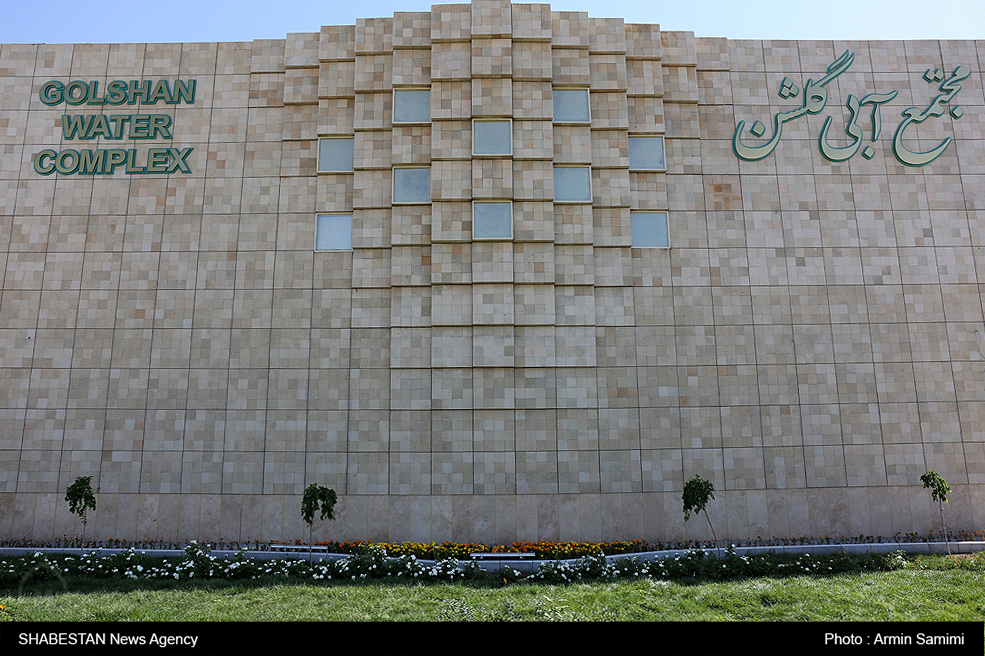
(816, 97)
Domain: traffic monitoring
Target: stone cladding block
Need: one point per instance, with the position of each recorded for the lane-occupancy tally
(452, 222)
(411, 265)
(492, 57)
(645, 77)
(607, 35)
(411, 29)
(613, 266)
(451, 60)
(301, 85)
(609, 149)
(196, 58)
(782, 56)
(533, 139)
(300, 123)
(336, 116)
(570, 29)
(682, 120)
(450, 181)
(648, 191)
(162, 59)
(127, 57)
(574, 265)
(643, 41)
(532, 60)
(451, 22)
(374, 72)
(337, 42)
(374, 36)
(334, 192)
(370, 227)
(410, 306)
(411, 67)
(492, 262)
(613, 226)
(451, 305)
(451, 263)
(492, 97)
(451, 139)
(412, 144)
(268, 56)
(372, 188)
(451, 100)
(532, 220)
(715, 88)
(646, 114)
(680, 84)
(337, 79)
(712, 53)
(452, 473)
(492, 304)
(373, 111)
(267, 90)
(411, 225)
(492, 346)
(18, 60)
(532, 180)
(570, 66)
(531, 22)
(609, 110)
(492, 178)
(301, 50)
(679, 48)
(610, 188)
(534, 305)
(573, 224)
(492, 18)
(493, 388)
(371, 267)
(573, 144)
(532, 100)
(372, 149)
(410, 473)
(533, 262)
(608, 72)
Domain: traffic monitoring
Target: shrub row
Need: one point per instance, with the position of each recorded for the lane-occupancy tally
(198, 563)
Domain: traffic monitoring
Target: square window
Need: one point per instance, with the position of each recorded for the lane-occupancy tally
(650, 230)
(411, 105)
(412, 185)
(335, 155)
(572, 184)
(492, 137)
(492, 220)
(646, 154)
(571, 106)
(334, 232)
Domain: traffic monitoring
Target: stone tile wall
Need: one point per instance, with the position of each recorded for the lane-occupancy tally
(811, 341)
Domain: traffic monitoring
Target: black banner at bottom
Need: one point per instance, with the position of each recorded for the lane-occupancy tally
(542, 639)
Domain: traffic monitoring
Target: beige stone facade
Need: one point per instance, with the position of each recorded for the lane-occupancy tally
(504, 357)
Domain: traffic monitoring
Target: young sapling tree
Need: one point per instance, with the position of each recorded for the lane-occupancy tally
(317, 498)
(80, 500)
(697, 493)
(939, 490)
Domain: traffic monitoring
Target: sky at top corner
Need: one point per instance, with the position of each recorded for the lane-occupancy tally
(115, 21)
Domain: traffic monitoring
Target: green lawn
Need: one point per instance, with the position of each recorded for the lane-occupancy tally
(925, 590)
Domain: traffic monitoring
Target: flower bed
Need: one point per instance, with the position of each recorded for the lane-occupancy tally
(199, 563)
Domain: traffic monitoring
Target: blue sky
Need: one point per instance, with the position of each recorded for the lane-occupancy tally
(115, 21)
